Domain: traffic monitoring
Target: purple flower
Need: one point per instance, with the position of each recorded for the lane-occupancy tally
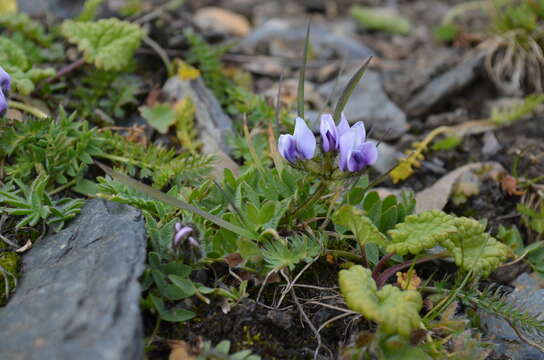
(5, 84)
(355, 153)
(300, 145)
(330, 133)
(182, 233)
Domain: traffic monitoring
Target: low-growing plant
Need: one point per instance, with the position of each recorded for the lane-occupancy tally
(298, 198)
(277, 218)
(514, 41)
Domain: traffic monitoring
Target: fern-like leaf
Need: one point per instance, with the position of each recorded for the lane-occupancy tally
(280, 255)
(108, 44)
(495, 301)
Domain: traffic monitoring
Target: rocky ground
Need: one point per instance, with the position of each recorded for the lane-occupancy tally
(415, 84)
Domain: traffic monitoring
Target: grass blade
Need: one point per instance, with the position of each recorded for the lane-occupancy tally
(300, 91)
(160, 196)
(346, 94)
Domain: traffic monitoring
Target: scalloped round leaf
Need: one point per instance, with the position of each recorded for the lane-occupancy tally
(395, 311)
(108, 44)
(473, 248)
(362, 227)
(421, 231)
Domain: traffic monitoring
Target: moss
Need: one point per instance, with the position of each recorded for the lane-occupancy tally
(9, 263)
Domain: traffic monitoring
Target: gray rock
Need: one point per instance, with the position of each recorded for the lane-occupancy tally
(214, 126)
(369, 103)
(507, 342)
(60, 8)
(210, 117)
(283, 35)
(388, 156)
(446, 84)
(79, 294)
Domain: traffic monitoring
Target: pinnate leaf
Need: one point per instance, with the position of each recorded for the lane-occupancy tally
(395, 311)
(108, 44)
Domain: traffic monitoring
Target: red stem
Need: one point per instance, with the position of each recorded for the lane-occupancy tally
(383, 277)
(380, 265)
(62, 72)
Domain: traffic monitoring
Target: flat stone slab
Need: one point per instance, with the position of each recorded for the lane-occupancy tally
(78, 297)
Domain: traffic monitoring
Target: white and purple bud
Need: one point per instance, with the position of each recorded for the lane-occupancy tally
(355, 153)
(330, 132)
(182, 233)
(299, 146)
(5, 85)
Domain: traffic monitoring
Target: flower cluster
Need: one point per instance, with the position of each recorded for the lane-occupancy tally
(349, 142)
(5, 84)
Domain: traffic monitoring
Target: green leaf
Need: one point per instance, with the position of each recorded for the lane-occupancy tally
(296, 249)
(370, 199)
(22, 23)
(420, 232)
(16, 64)
(301, 79)
(395, 311)
(372, 252)
(168, 199)
(389, 218)
(108, 44)
(160, 116)
(448, 143)
(8, 7)
(89, 10)
(350, 87)
(267, 212)
(184, 284)
(362, 227)
(178, 268)
(381, 19)
(473, 249)
(446, 32)
(171, 315)
(355, 195)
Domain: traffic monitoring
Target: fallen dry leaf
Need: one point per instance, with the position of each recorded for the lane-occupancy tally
(408, 280)
(25, 247)
(221, 20)
(437, 196)
(510, 185)
(180, 350)
(233, 260)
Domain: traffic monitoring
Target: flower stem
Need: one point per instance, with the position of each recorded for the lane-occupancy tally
(346, 254)
(317, 194)
(379, 266)
(160, 51)
(28, 109)
(383, 277)
(63, 187)
(63, 72)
